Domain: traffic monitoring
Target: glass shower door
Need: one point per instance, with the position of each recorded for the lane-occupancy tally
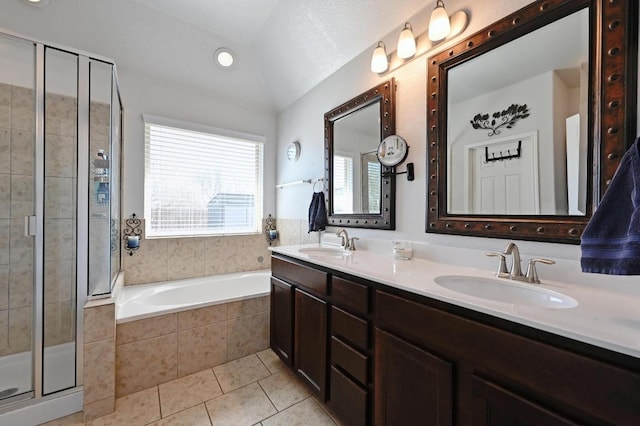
(60, 206)
(17, 166)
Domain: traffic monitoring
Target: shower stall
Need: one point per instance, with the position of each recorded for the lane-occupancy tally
(60, 142)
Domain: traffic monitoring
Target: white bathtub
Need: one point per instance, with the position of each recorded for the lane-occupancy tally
(148, 300)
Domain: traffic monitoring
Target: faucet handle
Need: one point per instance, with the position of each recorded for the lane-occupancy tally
(352, 243)
(502, 266)
(532, 273)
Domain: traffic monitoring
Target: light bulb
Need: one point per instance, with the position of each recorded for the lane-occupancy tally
(406, 42)
(379, 61)
(224, 57)
(439, 26)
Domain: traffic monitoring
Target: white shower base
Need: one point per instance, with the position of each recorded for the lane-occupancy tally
(59, 369)
(59, 373)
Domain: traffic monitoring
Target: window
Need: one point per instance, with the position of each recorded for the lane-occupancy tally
(342, 183)
(201, 181)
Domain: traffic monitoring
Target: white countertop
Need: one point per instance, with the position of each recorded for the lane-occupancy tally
(602, 318)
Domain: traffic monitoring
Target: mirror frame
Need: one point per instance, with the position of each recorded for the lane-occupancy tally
(383, 93)
(613, 48)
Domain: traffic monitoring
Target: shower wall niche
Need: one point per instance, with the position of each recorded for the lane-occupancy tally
(60, 121)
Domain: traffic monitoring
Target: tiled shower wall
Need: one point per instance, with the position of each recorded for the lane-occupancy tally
(165, 259)
(16, 201)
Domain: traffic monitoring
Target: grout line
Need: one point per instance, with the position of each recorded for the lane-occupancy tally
(263, 363)
(215, 376)
(269, 398)
(183, 410)
(207, 409)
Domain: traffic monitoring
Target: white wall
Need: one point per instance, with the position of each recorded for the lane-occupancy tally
(536, 93)
(143, 95)
(303, 121)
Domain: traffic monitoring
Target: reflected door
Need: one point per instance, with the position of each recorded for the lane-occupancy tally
(507, 186)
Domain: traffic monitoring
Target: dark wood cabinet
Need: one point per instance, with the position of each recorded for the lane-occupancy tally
(379, 355)
(310, 340)
(350, 377)
(492, 405)
(348, 400)
(281, 331)
(411, 385)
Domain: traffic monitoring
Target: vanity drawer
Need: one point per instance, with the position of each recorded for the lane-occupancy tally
(350, 328)
(348, 400)
(349, 359)
(301, 275)
(351, 296)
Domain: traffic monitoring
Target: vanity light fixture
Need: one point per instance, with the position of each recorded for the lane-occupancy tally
(379, 62)
(36, 3)
(439, 25)
(225, 58)
(406, 42)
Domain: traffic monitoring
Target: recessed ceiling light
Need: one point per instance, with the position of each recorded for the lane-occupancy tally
(225, 58)
(37, 3)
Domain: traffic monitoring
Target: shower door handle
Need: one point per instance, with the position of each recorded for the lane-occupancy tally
(29, 226)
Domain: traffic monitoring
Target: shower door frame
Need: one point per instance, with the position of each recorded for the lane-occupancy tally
(82, 212)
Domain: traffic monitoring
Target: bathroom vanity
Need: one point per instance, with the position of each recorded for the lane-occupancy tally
(380, 343)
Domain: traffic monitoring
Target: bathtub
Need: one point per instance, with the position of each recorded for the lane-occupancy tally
(149, 300)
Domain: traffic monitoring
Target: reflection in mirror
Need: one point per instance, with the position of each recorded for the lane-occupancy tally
(528, 119)
(548, 175)
(356, 171)
(359, 195)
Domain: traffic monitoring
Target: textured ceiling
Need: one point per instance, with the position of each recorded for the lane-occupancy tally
(295, 43)
(237, 20)
(284, 47)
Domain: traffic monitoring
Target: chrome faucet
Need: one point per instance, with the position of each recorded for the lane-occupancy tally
(346, 243)
(516, 271)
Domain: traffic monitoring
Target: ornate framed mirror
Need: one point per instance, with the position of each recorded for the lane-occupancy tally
(360, 191)
(527, 120)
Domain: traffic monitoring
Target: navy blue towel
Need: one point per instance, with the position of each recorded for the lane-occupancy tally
(611, 240)
(317, 213)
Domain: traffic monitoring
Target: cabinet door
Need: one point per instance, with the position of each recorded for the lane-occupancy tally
(310, 340)
(348, 400)
(496, 406)
(281, 319)
(411, 385)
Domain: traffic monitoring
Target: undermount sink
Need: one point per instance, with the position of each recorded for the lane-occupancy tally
(324, 251)
(506, 291)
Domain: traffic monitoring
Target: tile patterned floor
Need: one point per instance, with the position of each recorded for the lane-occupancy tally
(254, 390)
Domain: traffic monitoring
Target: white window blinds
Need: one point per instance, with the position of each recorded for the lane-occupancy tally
(342, 184)
(201, 183)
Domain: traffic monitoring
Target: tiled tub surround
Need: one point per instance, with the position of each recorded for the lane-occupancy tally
(294, 231)
(159, 349)
(99, 358)
(165, 259)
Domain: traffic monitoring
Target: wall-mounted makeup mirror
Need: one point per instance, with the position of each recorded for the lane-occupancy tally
(528, 119)
(359, 193)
